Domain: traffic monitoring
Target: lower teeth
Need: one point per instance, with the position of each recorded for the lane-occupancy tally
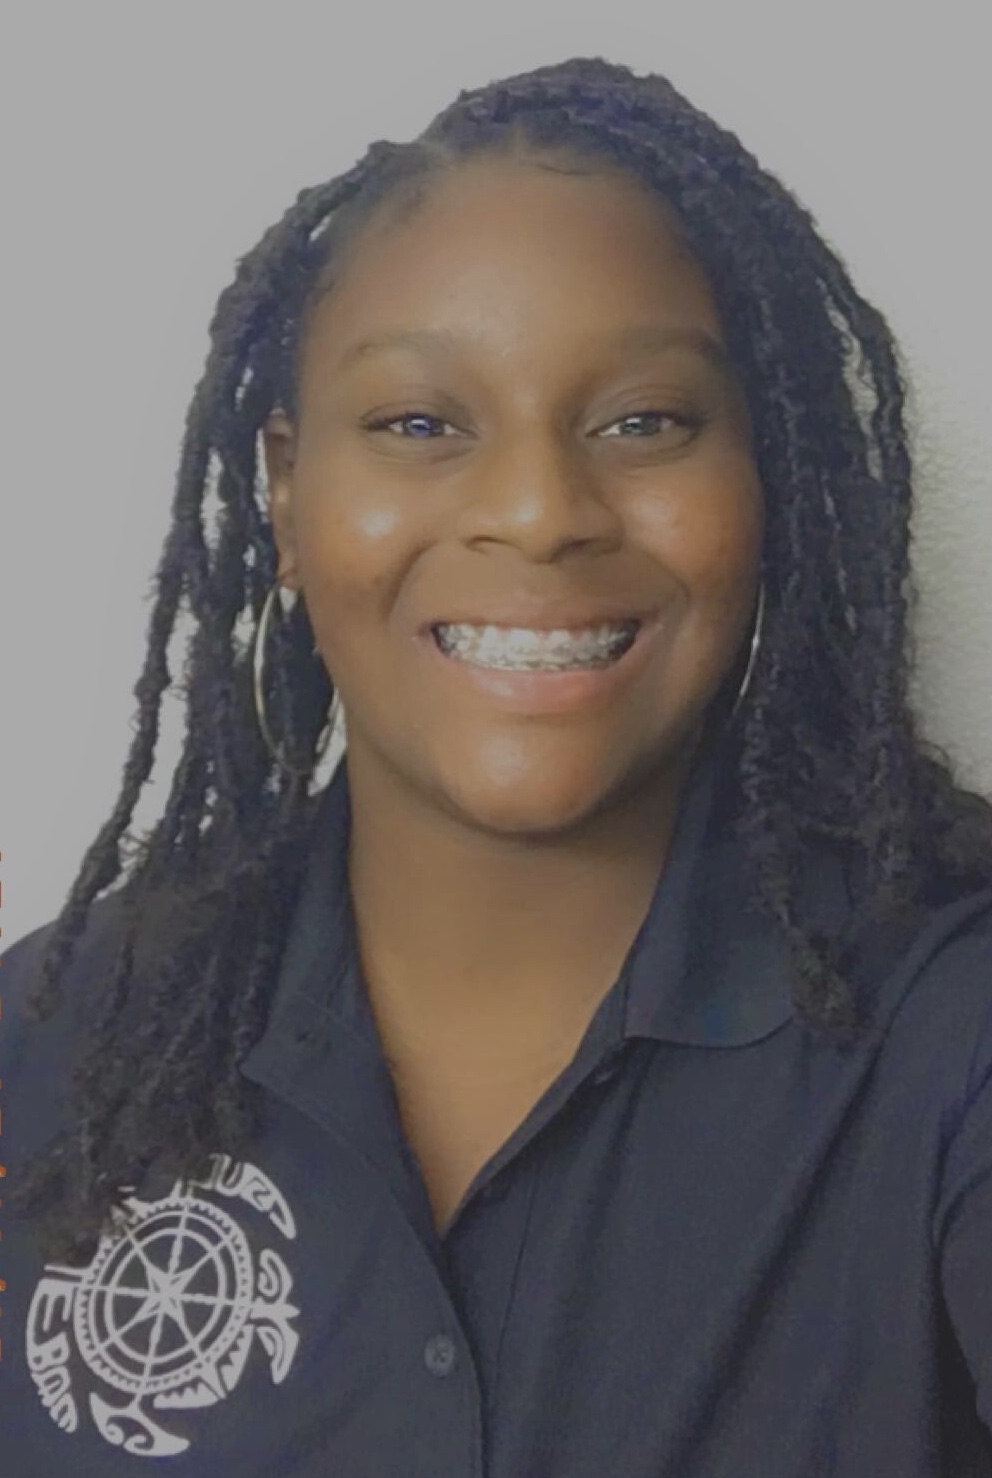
(537, 666)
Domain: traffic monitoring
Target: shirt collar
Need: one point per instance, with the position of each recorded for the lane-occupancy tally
(703, 970)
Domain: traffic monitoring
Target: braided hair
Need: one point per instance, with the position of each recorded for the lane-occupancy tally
(827, 742)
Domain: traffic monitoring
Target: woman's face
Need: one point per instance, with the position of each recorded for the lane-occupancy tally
(575, 450)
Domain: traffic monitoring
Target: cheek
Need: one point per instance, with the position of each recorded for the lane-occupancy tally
(705, 524)
(355, 538)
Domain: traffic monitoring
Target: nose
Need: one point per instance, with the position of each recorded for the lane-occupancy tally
(541, 496)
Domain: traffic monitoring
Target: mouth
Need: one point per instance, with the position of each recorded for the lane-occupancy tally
(533, 682)
(529, 649)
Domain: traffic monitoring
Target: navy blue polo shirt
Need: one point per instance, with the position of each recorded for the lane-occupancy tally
(717, 1247)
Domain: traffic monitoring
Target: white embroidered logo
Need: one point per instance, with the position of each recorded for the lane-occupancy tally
(166, 1313)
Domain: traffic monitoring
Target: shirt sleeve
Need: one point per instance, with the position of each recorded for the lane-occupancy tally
(963, 1221)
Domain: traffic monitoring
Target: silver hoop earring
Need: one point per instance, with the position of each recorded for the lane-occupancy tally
(258, 687)
(755, 644)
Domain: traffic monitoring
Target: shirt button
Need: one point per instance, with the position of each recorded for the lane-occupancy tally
(439, 1354)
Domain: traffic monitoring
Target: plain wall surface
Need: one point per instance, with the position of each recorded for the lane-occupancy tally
(147, 147)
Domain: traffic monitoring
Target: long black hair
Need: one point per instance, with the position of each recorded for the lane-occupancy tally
(827, 742)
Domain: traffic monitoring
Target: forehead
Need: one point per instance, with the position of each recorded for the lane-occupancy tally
(487, 193)
(506, 250)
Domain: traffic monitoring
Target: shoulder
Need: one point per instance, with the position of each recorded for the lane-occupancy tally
(930, 979)
(922, 976)
(934, 949)
(34, 1053)
(38, 1057)
(942, 948)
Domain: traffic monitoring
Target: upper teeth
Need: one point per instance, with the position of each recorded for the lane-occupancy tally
(496, 644)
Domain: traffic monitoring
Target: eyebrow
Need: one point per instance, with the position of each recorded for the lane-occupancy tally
(644, 338)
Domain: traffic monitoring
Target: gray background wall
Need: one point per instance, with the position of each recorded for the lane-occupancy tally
(147, 146)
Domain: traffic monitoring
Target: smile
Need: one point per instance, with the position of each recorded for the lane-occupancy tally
(535, 685)
(526, 650)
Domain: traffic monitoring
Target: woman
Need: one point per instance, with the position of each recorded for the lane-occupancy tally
(595, 1076)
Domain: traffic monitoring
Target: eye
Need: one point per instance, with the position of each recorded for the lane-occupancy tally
(384, 423)
(677, 418)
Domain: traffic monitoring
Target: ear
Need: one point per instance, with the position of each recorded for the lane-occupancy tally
(279, 441)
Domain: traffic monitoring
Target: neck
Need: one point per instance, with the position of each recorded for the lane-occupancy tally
(495, 940)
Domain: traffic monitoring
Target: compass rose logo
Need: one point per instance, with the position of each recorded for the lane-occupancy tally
(167, 1312)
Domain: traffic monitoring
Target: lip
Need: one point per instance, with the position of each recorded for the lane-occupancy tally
(545, 692)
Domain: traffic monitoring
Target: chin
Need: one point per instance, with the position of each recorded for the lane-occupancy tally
(509, 791)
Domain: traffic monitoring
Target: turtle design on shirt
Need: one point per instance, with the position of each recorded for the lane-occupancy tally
(166, 1313)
